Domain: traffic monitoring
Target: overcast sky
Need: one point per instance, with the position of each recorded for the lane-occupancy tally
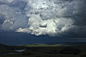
(41, 21)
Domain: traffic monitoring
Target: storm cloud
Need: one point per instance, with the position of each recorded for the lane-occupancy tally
(43, 17)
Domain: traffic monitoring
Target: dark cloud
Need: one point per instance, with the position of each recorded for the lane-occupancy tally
(62, 18)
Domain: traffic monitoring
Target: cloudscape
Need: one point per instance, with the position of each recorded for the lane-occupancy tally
(55, 18)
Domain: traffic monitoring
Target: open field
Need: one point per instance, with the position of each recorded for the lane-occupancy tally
(43, 45)
(39, 50)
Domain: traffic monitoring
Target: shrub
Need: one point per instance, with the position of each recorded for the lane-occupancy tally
(82, 55)
(70, 50)
(28, 52)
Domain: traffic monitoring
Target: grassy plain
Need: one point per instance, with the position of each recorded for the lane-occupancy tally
(39, 50)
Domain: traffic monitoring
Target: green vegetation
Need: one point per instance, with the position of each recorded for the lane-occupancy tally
(42, 45)
(4, 49)
(43, 50)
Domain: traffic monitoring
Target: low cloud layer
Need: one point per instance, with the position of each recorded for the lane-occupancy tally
(43, 17)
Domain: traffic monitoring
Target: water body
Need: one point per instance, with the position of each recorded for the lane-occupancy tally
(20, 50)
(11, 53)
(17, 51)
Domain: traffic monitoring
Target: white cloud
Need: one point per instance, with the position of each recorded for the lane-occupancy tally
(50, 26)
(13, 18)
(40, 17)
(6, 1)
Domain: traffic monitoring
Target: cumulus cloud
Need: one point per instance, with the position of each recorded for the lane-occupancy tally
(6, 1)
(50, 26)
(13, 18)
(41, 17)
